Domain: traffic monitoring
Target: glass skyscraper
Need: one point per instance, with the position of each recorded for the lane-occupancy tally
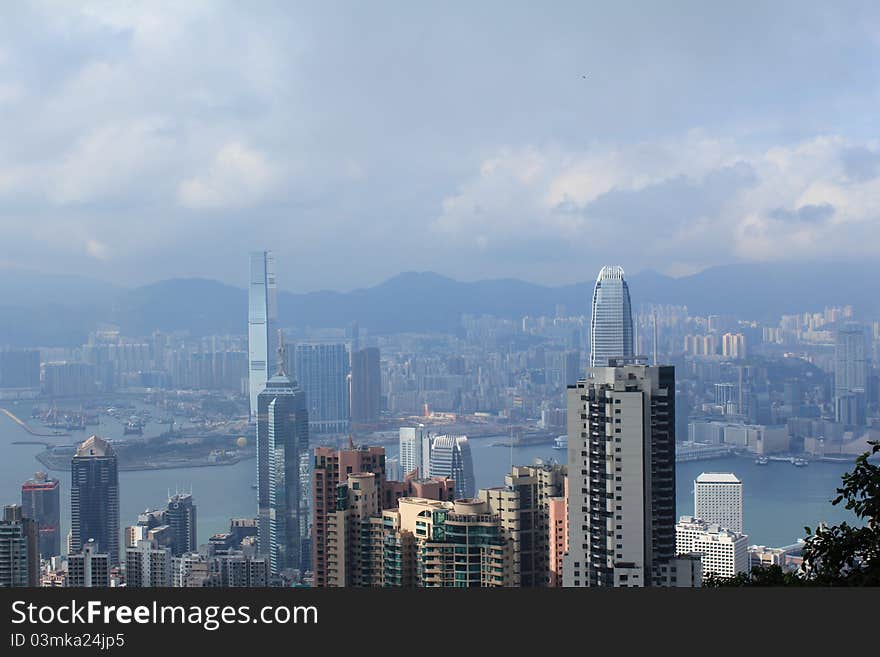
(451, 457)
(322, 371)
(611, 324)
(262, 316)
(283, 499)
(94, 498)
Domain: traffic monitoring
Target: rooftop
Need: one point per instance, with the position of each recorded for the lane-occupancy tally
(718, 478)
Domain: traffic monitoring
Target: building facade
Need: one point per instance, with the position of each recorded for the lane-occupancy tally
(366, 385)
(718, 499)
(322, 372)
(451, 457)
(19, 549)
(41, 500)
(723, 553)
(262, 318)
(88, 568)
(94, 498)
(611, 324)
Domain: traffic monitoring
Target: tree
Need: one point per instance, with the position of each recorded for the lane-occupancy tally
(839, 555)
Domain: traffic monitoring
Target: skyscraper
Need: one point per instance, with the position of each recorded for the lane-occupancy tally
(366, 385)
(180, 516)
(415, 450)
(282, 445)
(718, 499)
(322, 371)
(19, 550)
(621, 466)
(850, 375)
(262, 317)
(94, 498)
(451, 457)
(41, 500)
(611, 324)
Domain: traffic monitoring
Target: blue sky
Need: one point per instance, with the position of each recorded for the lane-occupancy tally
(147, 140)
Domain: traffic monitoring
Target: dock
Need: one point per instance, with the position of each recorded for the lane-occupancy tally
(24, 425)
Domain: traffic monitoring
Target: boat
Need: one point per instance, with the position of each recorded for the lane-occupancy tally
(561, 442)
(800, 463)
(135, 427)
(762, 460)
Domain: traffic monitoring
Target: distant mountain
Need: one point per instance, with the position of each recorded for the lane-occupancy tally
(50, 310)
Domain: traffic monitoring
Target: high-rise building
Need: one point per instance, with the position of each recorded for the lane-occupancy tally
(331, 468)
(94, 498)
(262, 317)
(415, 450)
(89, 568)
(733, 345)
(282, 446)
(451, 457)
(19, 549)
(366, 385)
(41, 500)
(523, 508)
(621, 469)
(180, 516)
(718, 499)
(723, 552)
(148, 565)
(322, 371)
(611, 324)
(571, 370)
(558, 527)
(19, 373)
(850, 375)
(348, 558)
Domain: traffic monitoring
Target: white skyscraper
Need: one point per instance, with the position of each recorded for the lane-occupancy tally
(621, 470)
(611, 324)
(718, 499)
(723, 552)
(415, 450)
(262, 316)
(451, 457)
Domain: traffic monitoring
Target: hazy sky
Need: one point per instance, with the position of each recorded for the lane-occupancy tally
(149, 140)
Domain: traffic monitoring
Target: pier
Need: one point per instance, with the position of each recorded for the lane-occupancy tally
(24, 425)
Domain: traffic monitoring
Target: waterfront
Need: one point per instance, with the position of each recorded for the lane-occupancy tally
(779, 499)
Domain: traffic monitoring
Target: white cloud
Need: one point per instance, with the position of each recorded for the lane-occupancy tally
(238, 176)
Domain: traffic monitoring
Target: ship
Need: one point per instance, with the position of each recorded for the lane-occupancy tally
(800, 463)
(134, 426)
(561, 442)
(762, 460)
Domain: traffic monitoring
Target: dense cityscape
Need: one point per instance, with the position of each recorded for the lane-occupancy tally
(382, 459)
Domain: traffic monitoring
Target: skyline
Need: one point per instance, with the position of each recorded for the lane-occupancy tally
(455, 142)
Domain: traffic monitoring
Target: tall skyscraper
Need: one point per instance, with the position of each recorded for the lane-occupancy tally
(366, 385)
(262, 317)
(621, 466)
(94, 498)
(611, 324)
(850, 375)
(415, 450)
(41, 500)
(180, 516)
(282, 446)
(571, 368)
(322, 371)
(718, 499)
(451, 457)
(19, 549)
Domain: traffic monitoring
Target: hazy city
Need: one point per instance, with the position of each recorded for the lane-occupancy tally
(355, 304)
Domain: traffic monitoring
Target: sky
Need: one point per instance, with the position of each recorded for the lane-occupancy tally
(143, 141)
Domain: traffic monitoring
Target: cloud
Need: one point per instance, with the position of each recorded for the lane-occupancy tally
(238, 176)
(676, 205)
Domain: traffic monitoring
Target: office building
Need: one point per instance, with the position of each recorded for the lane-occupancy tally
(41, 500)
(322, 372)
(19, 373)
(611, 324)
(180, 516)
(94, 498)
(723, 552)
(718, 499)
(621, 469)
(571, 368)
(262, 318)
(850, 375)
(366, 385)
(523, 508)
(88, 568)
(415, 450)
(19, 549)
(451, 457)
(282, 447)
(147, 565)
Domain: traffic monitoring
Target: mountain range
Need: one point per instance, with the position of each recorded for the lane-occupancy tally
(47, 310)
